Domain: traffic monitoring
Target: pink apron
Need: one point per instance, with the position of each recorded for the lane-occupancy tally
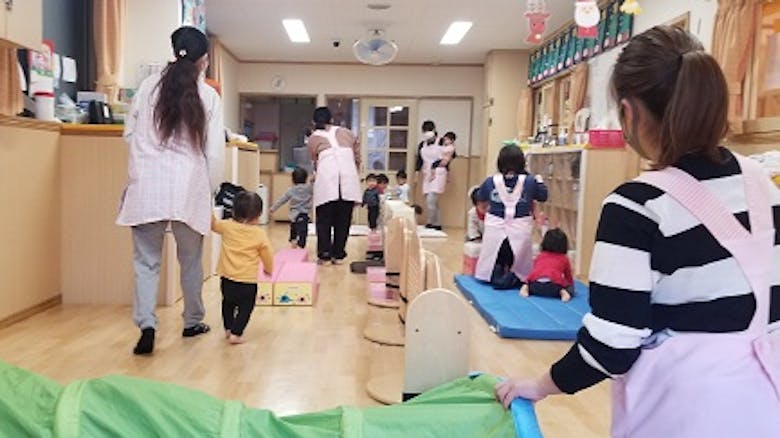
(429, 154)
(337, 175)
(517, 230)
(708, 384)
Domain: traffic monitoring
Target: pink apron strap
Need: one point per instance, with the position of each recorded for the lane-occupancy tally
(719, 220)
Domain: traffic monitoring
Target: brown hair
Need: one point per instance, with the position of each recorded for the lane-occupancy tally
(179, 107)
(682, 87)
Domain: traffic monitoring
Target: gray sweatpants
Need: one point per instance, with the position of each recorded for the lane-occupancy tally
(147, 251)
(432, 204)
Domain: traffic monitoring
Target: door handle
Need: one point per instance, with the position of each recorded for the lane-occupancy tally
(9, 4)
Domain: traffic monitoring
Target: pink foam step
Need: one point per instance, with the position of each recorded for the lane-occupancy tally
(296, 284)
(280, 258)
(374, 241)
(291, 255)
(380, 292)
(376, 275)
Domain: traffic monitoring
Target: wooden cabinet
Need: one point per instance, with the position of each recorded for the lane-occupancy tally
(269, 160)
(22, 23)
(560, 170)
(578, 180)
(242, 165)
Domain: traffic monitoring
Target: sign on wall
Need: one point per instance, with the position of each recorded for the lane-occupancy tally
(568, 48)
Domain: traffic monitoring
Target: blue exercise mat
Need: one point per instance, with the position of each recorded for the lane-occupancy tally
(512, 316)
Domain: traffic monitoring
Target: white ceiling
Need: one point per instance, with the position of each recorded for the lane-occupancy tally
(252, 29)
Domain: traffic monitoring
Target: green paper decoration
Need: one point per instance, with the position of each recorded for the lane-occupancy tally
(567, 50)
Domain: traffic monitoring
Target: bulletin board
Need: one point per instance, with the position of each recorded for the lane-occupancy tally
(599, 94)
(67, 25)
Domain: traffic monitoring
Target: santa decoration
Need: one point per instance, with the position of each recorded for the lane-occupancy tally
(537, 20)
(587, 16)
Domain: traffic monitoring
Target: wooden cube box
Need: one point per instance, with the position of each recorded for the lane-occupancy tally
(296, 285)
(265, 285)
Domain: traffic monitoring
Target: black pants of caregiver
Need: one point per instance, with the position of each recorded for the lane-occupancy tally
(333, 221)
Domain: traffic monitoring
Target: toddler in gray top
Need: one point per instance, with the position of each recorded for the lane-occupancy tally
(300, 198)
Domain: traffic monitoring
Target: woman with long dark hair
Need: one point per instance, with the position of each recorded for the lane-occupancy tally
(176, 141)
(684, 281)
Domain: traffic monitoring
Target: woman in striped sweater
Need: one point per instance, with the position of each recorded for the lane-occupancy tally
(685, 277)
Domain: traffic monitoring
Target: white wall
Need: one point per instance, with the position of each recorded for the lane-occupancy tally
(449, 115)
(368, 81)
(230, 101)
(506, 72)
(702, 18)
(148, 27)
(702, 23)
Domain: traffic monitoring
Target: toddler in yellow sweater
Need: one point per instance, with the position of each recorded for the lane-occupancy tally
(244, 245)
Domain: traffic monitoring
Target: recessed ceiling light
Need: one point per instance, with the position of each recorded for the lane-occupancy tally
(456, 32)
(296, 31)
(378, 6)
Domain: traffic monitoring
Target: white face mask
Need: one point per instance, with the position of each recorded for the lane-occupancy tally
(427, 135)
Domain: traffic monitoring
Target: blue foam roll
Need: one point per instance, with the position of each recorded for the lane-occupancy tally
(524, 415)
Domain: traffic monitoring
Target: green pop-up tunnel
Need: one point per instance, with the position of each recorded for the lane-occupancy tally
(119, 406)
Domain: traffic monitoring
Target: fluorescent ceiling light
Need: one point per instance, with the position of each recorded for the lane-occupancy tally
(456, 32)
(296, 31)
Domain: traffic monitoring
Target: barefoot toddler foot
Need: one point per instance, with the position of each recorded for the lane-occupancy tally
(235, 340)
(565, 295)
(524, 291)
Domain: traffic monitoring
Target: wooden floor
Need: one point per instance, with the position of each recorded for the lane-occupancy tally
(295, 359)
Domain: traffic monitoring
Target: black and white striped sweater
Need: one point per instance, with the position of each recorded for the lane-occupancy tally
(656, 269)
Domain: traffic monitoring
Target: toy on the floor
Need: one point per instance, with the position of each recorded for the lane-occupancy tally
(31, 405)
(296, 284)
(511, 316)
(265, 283)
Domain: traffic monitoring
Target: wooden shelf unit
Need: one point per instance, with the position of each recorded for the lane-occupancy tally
(578, 180)
(561, 173)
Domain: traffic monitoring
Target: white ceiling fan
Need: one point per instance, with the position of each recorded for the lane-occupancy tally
(375, 49)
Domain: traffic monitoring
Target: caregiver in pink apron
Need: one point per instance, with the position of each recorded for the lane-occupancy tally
(336, 155)
(684, 281)
(434, 181)
(505, 258)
